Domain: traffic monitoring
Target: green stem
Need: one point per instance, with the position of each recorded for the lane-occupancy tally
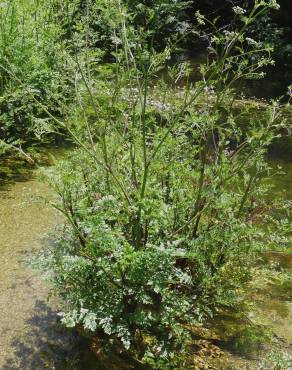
(246, 193)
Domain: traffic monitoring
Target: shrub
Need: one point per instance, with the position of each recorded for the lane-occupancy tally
(163, 196)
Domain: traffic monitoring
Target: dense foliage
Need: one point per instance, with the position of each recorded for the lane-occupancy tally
(156, 21)
(33, 70)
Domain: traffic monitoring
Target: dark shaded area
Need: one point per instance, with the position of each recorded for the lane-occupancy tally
(282, 148)
(17, 168)
(49, 345)
(46, 345)
(274, 28)
(223, 9)
(14, 169)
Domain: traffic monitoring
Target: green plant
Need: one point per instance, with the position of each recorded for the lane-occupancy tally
(32, 67)
(164, 196)
(156, 21)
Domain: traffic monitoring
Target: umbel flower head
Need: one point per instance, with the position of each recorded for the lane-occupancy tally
(238, 10)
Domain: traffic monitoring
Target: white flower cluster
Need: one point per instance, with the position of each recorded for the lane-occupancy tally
(271, 3)
(200, 18)
(251, 41)
(230, 35)
(159, 105)
(274, 5)
(238, 10)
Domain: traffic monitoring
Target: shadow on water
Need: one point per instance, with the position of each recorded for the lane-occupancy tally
(48, 345)
(14, 170)
(18, 169)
